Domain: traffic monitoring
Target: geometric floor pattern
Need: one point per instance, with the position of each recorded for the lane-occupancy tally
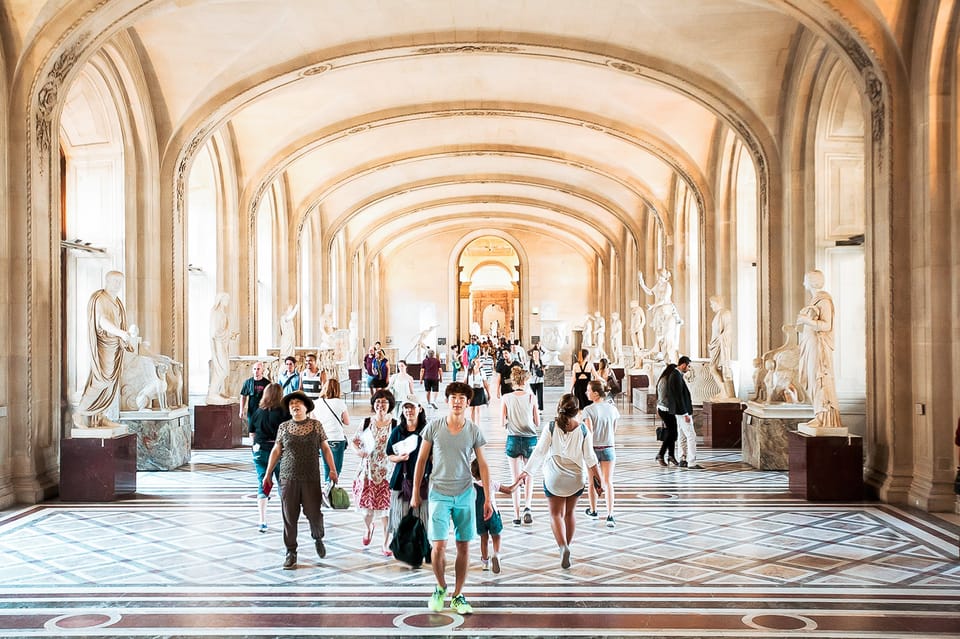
(725, 551)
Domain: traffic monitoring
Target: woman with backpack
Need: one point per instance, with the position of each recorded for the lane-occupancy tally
(565, 449)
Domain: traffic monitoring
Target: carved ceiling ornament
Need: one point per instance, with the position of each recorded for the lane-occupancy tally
(186, 159)
(872, 81)
(49, 94)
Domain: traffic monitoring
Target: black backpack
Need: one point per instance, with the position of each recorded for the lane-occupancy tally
(410, 544)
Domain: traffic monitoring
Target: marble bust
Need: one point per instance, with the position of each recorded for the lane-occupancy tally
(288, 337)
(816, 355)
(109, 339)
(720, 349)
(220, 338)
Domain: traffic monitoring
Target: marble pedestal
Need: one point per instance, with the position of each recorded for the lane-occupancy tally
(553, 376)
(413, 370)
(163, 437)
(722, 424)
(764, 433)
(356, 379)
(94, 469)
(826, 468)
(218, 426)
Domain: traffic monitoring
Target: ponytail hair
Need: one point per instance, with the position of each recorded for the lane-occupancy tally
(567, 409)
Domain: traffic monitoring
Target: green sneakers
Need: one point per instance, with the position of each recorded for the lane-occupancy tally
(461, 606)
(436, 601)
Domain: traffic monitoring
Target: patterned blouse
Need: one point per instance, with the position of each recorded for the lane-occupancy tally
(376, 467)
(300, 442)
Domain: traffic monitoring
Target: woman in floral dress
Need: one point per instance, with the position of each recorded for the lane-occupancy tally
(371, 488)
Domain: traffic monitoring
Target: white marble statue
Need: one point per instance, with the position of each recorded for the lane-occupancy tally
(665, 318)
(638, 320)
(775, 377)
(720, 349)
(288, 333)
(328, 324)
(586, 340)
(552, 341)
(108, 339)
(599, 336)
(475, 329)
(494, 329)
(616, 339)
(220, 338)
(149, 377)
(354, 341)
(816, 353)
(420, 345)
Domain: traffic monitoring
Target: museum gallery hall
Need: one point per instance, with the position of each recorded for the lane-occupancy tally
(750, 204)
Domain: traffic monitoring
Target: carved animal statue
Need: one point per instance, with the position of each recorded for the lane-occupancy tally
(154, 389)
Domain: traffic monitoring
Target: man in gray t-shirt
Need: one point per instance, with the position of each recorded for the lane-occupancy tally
(452, 441)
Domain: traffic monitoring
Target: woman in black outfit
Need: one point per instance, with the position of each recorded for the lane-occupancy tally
(665, 408)
(263, 430)
(582, 374)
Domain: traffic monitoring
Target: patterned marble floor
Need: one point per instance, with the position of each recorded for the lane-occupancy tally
(725, 551)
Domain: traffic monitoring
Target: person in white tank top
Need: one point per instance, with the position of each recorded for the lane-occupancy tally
(520, 416)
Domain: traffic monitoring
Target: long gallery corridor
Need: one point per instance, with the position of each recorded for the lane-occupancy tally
(724, 551)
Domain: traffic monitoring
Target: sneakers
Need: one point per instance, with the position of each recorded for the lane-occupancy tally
(660, 461)
(485, 563)
(495, 564)
(683, 463)
(565, 557)
(436, 600)
(516, 522)
(695, 467)
(461, 606)
(321, 549)
(591, 513)
(290, 562)
(527, 516)
(610, 522)
(263, 528)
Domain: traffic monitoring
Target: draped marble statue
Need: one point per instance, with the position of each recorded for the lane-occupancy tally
(638, 320)
(220, 338)
(108, 339)
(720, 349)
(354, 341)
(616, 339)
(664, 317)
(816, 353)
(599, 336)
(328, 324)
(586, 340)
(288, 334)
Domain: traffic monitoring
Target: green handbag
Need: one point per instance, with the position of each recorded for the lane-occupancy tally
(339, 498)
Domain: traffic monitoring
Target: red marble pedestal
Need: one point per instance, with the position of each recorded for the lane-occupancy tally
(93, 469)
(722, 424)
(356, 379)
(826, 468)
(217, 426)
(413, 370)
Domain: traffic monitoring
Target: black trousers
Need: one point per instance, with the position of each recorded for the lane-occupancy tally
(669, 445)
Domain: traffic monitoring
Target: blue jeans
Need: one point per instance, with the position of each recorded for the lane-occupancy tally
(337, 448)
(260, 460)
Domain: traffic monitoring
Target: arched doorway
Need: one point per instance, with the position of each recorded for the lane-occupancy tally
(489, 291)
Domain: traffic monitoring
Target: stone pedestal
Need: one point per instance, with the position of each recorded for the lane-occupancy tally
(356, 379)
(413, 370)
(826, 468)
(163, 437)
(553, 376)
(764, 433)
(638, 380)
(722, 424)
(218, 426)
(94, 469)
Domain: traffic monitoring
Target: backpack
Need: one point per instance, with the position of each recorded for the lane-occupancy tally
(410, 544)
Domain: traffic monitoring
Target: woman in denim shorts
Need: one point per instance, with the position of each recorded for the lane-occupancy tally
(601, 418)
(520, 416)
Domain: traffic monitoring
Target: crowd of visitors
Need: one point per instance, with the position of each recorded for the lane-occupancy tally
(412, 461)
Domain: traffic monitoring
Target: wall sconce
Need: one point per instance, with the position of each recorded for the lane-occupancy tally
(535, 310)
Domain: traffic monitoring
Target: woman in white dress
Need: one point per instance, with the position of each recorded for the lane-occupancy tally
(401, 385)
